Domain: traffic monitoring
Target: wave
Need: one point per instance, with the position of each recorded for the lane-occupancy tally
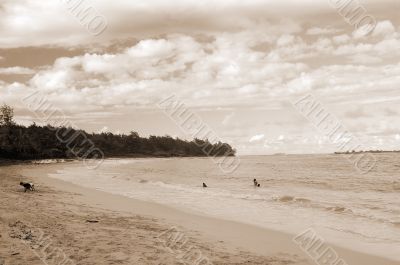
(258, 196)
(292, 199)
(214, 192)
(303, 202)
(123, 161)
(50, 161)
(339, 209)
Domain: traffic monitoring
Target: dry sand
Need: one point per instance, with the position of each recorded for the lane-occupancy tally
(51, 226)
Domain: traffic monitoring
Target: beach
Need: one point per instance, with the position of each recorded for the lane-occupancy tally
(204, 132)
(80, 225)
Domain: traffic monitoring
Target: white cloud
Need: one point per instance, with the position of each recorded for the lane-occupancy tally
(222, 71)
(341, 39)
(321, 31)
(202, 73)
(285, 40)
(365, 59)
(16, 70)
(55, 80)
(384, 28)
(47, 22)
(160, 48)
(257, 138)
(228, 118)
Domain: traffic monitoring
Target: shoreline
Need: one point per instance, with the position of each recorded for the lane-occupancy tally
(51, 223)
(232, 235)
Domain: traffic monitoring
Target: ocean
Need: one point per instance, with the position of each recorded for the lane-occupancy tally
(323, 192)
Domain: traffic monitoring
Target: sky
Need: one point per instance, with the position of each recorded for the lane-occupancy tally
(239, 65)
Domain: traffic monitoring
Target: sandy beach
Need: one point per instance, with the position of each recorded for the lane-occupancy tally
(61, 223)
(199, 132)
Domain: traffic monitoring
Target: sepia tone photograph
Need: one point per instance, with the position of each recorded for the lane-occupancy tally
(260, 132)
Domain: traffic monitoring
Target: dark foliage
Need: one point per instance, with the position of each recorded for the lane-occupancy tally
(44, 142)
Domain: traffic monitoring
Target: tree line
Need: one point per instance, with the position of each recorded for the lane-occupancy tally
(49, 142)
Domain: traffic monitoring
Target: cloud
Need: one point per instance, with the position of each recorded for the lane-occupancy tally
(224, 71)
(321, 31)
(228, 118)
(285, 40)
(257, 138)
(384, 28)
(160, 48)
(341, 39)
(36, 23)
(365, 59)
(16, 70)
(203, 73)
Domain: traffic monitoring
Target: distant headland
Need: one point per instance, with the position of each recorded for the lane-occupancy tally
(367, 151)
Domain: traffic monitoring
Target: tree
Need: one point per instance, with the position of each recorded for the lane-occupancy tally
(134, 134)
(6, 115)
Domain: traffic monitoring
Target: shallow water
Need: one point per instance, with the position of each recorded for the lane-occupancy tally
(359, 211)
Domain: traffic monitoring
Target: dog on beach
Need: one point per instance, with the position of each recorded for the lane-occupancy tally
(204, 185)
(27, 186)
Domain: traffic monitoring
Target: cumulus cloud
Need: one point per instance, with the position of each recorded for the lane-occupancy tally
(204, 73)
(384, 28)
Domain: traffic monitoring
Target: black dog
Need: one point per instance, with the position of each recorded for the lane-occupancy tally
(27, 186)
(204, 185)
